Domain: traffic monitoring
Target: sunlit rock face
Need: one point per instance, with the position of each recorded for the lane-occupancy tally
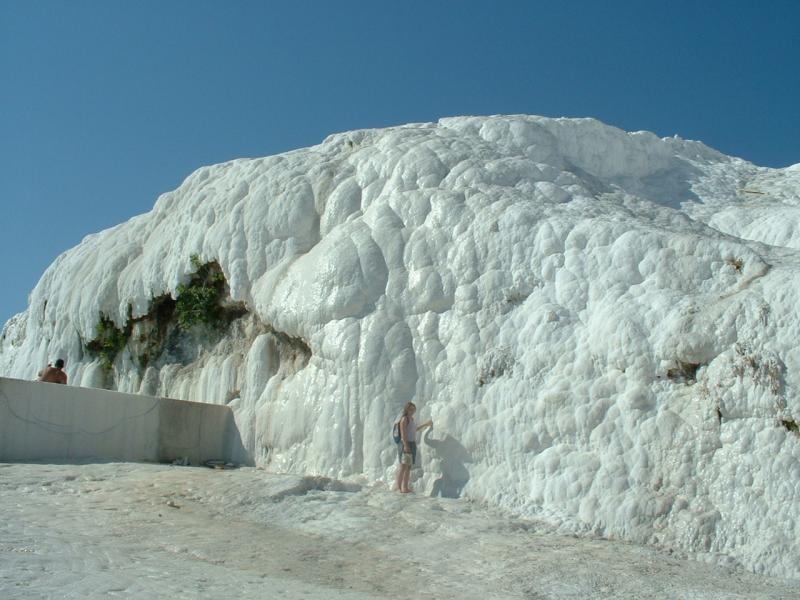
(603, 325)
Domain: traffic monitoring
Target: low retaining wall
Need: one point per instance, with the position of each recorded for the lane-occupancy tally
(41, 421)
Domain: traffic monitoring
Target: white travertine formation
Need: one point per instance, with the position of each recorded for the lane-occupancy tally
(603, 325)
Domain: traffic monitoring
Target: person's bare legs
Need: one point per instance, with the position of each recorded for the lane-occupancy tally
(398, 480)
(404, 477)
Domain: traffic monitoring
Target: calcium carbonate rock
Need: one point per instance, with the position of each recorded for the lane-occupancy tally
(603, 325)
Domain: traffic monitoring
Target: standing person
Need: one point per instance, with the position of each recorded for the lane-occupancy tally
(407, 447)
(54, 374)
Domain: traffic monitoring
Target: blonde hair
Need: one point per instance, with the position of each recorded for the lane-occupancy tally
(408, 407)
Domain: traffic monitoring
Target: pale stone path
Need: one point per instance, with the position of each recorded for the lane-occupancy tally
(153, 531)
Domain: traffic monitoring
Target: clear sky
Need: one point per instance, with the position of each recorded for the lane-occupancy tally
(105, 104)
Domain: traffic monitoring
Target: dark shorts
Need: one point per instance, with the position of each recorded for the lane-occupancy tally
(412, 446)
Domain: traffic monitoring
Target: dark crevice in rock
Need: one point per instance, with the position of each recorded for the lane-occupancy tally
(292, 348)
(684, 372)
(174, 329)
(202, 320)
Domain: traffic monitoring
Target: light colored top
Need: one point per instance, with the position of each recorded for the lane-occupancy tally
(411, 430)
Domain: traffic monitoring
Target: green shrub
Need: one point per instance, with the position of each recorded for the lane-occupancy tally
(199, 300)
(108, 342)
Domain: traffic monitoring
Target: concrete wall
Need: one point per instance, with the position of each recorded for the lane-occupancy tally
(41, 421)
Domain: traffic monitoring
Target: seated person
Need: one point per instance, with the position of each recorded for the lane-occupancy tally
(54, 374)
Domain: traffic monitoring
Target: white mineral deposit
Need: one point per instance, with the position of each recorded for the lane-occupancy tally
(603, 326)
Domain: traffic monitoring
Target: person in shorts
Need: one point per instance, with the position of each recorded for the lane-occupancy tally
(407, 447)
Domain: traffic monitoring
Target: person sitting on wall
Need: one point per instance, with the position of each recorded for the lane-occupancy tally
(54, 374)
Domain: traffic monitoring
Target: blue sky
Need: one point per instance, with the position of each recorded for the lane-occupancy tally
(106, 104)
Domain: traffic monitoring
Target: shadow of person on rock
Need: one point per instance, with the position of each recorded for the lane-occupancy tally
(453, 457)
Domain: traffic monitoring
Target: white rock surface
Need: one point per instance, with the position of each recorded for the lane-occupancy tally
(603, 325)
(167, 532)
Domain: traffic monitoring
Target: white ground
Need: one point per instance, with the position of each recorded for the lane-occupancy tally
(157, 531)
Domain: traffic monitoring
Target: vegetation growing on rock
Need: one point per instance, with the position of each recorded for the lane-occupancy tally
(199, 300)
(200, 307)
(109, 341)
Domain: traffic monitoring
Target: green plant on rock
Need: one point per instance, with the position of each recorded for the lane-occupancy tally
(199, 300)
(108, 342)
